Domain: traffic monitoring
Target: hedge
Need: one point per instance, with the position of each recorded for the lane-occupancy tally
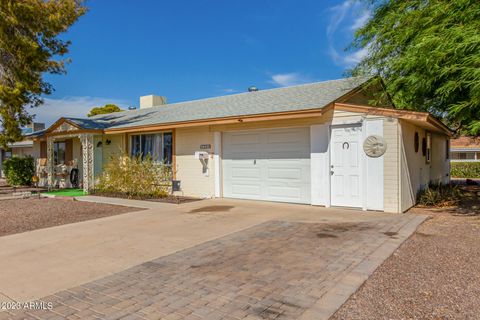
(465, 170)
(19, 171)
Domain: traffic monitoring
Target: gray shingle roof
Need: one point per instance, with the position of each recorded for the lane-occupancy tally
(89, 123)
(295, 98)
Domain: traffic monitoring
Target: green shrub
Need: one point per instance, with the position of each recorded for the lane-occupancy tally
(465, 169)
(439, 195)
(134, 177)
(19, 171)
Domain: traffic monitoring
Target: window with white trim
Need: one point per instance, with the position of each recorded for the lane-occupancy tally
(428, 154)
(158, 146)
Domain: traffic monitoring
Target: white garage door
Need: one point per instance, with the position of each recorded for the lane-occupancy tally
(269, 165)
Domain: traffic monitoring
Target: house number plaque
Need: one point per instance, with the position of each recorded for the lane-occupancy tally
(205, 146)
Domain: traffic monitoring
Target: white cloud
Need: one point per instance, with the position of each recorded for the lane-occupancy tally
(53, 109)
(361, 20)
(288, 79)
(346, 18)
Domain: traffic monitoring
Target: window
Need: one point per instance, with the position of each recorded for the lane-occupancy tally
(158, 146)
(466, 155)
(447, 149)
(59, 152)
(428, 154)
(424, 147)
(416, 142)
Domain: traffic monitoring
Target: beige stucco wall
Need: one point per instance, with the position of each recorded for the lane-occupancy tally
(391, 166)
(404, 170)
(36, 149)
(188, 169)
(115, 148)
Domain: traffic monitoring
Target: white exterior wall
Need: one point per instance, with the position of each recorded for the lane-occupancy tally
(374, 172)
(440, 169)
(416, 173)
(377, 172)
(319, 164)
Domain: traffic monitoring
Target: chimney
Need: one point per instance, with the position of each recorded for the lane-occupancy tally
(152, 101)
(36, 126)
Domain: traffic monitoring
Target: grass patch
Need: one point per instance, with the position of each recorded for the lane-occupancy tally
(66, 193)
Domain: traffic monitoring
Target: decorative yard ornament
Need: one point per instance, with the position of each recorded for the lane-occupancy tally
(374, 146)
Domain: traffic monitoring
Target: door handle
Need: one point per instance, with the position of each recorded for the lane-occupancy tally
(255, 161)
(331, 172)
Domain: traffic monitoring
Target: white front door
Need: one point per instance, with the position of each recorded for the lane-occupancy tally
(345, 166)
(271, 164)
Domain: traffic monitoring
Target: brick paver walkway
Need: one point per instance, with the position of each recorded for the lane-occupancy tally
(275, 270)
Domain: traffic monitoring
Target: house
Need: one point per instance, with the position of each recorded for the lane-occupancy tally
(319, 143)
(465, 149)
(20, 148)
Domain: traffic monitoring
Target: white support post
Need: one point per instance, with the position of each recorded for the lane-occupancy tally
(217, 159)
(320, 164)
(50, 169)
(87, 154)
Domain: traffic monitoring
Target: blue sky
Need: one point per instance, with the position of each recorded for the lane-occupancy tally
(191, 49)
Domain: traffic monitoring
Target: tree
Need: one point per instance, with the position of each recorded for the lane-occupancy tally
(428, 53)
(108, 108)
(30, 47)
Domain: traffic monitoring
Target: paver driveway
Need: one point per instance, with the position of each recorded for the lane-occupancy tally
(280, 269)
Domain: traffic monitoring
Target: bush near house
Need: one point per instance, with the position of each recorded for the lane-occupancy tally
(439, 195)
(19, 171)
(134, 177)
(465, 170)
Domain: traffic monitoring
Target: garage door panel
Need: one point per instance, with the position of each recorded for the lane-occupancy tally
(247, 190)
(277, 168)
(285, 173)
(246, 173)
(284, 193)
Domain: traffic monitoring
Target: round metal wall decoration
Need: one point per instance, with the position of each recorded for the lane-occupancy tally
(374, 146)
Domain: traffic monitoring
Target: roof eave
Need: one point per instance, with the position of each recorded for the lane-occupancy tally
(225, 120)
(397, 113)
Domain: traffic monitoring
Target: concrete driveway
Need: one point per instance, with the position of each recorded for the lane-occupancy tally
(225, 259)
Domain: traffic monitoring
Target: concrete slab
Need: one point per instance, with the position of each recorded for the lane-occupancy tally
(42, 262)
(125, 202)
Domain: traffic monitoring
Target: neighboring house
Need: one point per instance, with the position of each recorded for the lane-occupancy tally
(21, 148)
(302, 144)
(465, 149)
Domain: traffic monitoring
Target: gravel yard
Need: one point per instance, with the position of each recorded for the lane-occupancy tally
(22, 215)
(434, 275)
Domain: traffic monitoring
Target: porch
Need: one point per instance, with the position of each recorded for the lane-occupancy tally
(66, 157)
(67, 163)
